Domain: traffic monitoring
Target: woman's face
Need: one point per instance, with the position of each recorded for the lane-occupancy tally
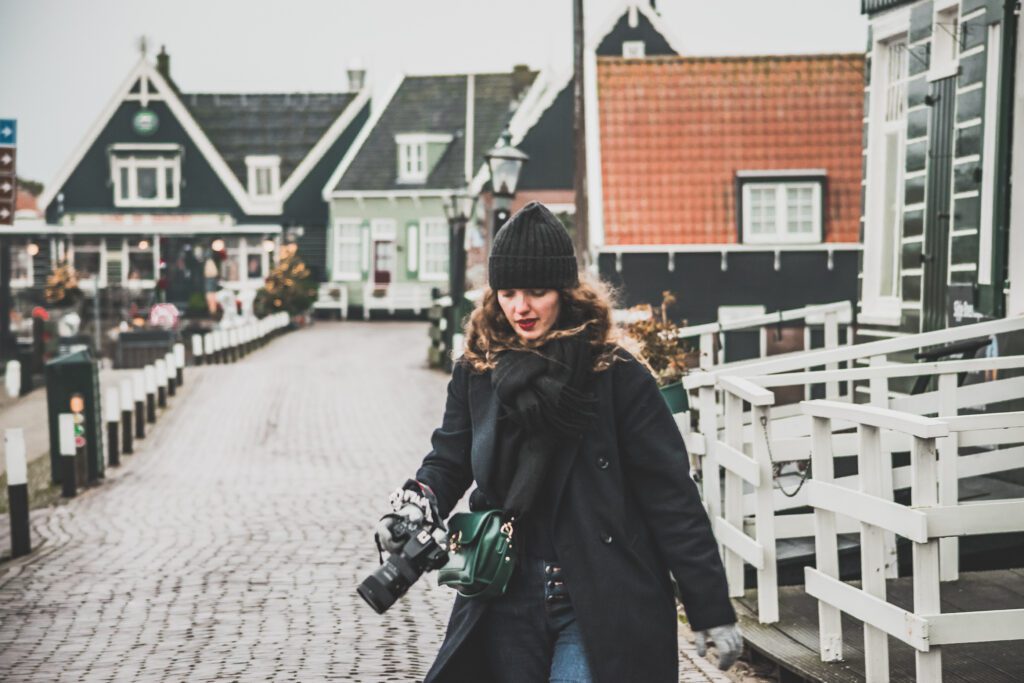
(530, 312)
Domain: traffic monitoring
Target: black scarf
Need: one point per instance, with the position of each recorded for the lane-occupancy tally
(544, 402)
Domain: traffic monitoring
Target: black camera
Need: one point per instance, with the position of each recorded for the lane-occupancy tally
(420, 552)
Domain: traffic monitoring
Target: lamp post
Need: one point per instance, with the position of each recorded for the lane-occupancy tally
(505, 163)
(458, 209)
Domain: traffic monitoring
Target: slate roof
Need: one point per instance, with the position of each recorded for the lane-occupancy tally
(434, 104)
(286, 124)
(675, 130)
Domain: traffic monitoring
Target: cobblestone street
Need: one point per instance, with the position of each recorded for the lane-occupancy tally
(229, 547)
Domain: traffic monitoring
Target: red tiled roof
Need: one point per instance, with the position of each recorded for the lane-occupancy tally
(675, 130)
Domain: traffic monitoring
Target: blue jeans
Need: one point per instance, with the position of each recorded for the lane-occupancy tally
(530, 634)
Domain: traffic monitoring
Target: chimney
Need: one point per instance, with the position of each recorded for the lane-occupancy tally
(356, 76)
(521, 79)
(163, 63)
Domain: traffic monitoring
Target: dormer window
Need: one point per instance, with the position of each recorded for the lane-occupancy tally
(634, 49)
(146, 175)
(417, 153)
(264, 175)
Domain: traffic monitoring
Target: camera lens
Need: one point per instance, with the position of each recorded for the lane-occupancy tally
(376, 594)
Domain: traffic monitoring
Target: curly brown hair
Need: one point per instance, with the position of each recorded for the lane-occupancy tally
(585, 309)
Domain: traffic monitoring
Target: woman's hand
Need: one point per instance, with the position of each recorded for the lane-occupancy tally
(413, 493)
(727, 639)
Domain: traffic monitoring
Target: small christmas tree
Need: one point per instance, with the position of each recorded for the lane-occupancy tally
(62, 286)
(288, 287)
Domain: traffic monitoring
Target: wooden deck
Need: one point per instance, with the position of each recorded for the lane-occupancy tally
(793, 641)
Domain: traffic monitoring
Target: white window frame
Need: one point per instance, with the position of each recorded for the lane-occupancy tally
(426, 241)
(634, 49)
(877, 309)
(413, 165)
(21, 246)
(161, 157)
(782, 234)
(127, 248)
(243, 250)
(270, 164)
(986, 225)
(100, 278)
(340, 241)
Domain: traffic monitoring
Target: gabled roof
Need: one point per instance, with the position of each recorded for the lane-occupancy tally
(300, 148)
(432, 104)
(287, 124)
(674, 131)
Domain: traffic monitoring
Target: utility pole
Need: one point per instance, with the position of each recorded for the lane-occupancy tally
(579, 129)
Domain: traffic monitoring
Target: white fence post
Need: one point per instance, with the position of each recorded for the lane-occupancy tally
(707, 351)
(831, 342)
(949, 448)
(872, 552)
(826, 542)
(709, 465)
(924, 493)
(733, 501)
(879, 392)
(764, 515)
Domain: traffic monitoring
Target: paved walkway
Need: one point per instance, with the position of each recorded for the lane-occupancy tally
(229, 547)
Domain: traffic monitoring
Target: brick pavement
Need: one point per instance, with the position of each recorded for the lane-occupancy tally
(230, 546)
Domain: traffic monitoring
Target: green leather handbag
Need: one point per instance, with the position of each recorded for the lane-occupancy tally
(480, 557)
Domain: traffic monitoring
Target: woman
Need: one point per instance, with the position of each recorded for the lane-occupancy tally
(567, 433)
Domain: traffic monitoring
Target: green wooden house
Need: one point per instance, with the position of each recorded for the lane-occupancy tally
(388, 236)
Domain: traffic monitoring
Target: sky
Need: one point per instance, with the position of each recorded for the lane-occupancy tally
(63, 59)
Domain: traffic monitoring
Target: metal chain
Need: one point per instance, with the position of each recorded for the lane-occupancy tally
(776, 468)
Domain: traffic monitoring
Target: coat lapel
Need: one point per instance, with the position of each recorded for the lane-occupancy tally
(483, 412)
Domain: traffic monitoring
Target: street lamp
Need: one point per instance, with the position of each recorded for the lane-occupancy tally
(459, 207)
(505, 163)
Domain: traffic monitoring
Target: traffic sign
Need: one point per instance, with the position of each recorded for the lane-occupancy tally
(8, 132)
(8, 179)
(8, 160)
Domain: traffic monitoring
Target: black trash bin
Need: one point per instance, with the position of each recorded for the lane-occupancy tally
(75, 373)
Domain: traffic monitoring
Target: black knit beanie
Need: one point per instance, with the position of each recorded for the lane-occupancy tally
(532, 250)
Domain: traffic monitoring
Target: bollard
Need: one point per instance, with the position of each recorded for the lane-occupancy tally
(208, 352)
(111, 411)
(17, 491)
(218, 353)
(243, 336)
(139, 394)
(160, 367)
(66, 427)
(171, 373)
(197, 349)
(150, 375)
(12, 378)
(126, 417)
(179, 364)
(233, 344)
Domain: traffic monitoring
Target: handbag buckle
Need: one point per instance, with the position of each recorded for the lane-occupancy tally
(506, 529)
(455, 542)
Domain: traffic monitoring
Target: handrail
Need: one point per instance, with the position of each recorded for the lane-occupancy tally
(883, 418)
(761, 320)
(798, 360)
(888, 371)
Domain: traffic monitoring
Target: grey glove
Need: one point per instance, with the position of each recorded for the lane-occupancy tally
(727, 639)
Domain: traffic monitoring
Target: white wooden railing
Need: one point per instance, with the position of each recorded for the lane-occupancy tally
(926, 522)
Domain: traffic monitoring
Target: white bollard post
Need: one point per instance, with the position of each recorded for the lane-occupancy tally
(126, 417)
(68, 474)
(139, 394)
(17, 491)
(179, 364)
(171, 367)
(111, 413)
(150, 376)
(160, 366)
(12, 378)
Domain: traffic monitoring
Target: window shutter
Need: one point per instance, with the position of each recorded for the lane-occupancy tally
(365, 248)
(412, 248)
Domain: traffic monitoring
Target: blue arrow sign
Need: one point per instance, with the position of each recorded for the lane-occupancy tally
(8, 132)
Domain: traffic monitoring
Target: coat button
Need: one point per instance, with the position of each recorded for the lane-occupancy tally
(602, 463)
(606, 538)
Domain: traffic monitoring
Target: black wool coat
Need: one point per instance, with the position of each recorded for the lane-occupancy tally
(626, 514)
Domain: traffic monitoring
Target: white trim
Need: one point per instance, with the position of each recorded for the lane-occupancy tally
(988, 164)
(145, 147)
(781, 234)
(412, 250)
(360, 195)
(161, 165)
(1015, 239)
(942, 38)
(725, 248)
(358, 143)
(413, 166)
(971, 15)
(315, 154)
(254, 163)
(158, 229)
(970, 194)
(969, 123)
(973, 158)
(977, 49)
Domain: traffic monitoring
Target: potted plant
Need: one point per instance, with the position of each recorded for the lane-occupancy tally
(656, 342)
(287, 288)
(62, 288)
